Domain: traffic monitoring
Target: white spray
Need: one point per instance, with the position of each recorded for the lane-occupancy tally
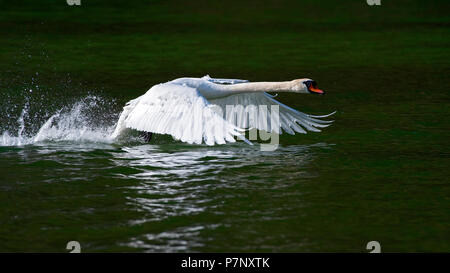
(67, 124)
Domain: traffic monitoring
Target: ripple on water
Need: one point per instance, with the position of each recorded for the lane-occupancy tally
(162, 184)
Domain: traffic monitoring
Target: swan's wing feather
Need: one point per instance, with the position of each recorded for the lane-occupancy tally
(253, 110)
(120, 126)
(223, 81)
(182, 112)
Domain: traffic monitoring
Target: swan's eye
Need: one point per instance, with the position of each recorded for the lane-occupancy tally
(308, 83)
(311, 83)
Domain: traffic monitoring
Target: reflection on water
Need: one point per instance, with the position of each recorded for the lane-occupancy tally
(155, 162)
(178, 192)
(179, 240)
(194, 180)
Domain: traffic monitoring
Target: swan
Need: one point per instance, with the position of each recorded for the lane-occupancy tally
(186, 108)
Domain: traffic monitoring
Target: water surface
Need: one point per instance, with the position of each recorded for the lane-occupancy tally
(380, 172)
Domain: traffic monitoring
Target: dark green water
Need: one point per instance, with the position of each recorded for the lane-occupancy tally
(380, 172)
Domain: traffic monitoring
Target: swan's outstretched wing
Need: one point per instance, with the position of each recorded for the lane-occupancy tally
(253, 110)
(182, 112)
(223, 81)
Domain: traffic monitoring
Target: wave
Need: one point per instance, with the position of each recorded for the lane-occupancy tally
(88, 119)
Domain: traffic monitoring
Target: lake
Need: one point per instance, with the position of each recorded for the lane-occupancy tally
(379, 173)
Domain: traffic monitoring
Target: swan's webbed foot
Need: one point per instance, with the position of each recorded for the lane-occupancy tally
(147, 136)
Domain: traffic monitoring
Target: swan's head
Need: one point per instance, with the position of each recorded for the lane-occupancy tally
(306, 86)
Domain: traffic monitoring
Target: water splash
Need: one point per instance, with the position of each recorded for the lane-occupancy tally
(88, 119)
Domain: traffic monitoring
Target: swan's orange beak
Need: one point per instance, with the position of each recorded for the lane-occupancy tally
(316, 90)
(312, 88)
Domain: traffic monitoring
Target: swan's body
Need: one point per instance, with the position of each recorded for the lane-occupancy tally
(187, 109)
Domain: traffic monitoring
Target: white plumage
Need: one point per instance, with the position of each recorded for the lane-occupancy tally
(197, 110)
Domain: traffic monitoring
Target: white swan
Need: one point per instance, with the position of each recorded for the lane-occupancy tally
(186, 108)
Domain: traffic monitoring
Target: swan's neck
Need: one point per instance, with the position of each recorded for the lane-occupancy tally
(258, 87)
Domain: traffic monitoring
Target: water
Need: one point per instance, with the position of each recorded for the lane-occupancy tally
(379, 173)
(63, 178)
(70, 123)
